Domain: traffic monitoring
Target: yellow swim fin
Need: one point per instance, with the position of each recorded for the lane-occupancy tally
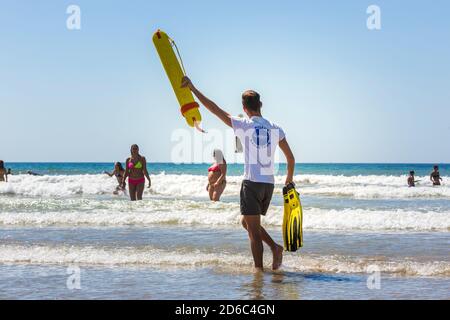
(292, 219)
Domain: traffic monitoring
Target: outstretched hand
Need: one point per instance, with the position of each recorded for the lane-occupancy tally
(186, 83)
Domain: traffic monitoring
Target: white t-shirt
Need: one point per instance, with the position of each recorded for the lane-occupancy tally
(260, 138)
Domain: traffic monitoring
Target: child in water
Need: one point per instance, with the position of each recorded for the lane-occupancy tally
(411, 181)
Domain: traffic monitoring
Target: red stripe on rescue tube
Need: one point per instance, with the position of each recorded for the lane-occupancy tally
(189, 106)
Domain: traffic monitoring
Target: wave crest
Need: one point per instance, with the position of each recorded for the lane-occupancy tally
(234, 262)
(91, 212)
(361, 187)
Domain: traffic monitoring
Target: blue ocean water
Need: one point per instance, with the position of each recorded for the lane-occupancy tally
(345, 169)
(176, 241)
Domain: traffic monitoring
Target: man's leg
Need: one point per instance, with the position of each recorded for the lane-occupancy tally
(253, 226)
(277, 250)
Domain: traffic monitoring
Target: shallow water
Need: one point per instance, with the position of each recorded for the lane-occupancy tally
(358, 219)
(50, 282)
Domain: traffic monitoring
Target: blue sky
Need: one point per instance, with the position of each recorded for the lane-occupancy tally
(342, 93)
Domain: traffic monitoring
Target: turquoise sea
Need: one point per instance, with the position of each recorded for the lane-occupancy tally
(346, 169)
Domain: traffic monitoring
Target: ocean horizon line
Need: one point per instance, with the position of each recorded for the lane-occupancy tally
(206, 163)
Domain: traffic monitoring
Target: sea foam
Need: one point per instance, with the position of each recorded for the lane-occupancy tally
(194, 186)
(94, 212)
(224, 260)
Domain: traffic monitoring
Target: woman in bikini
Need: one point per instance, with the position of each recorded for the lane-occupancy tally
(3, 172)
(118, 172)
(435, 177)
(217, 176)
(136, 172)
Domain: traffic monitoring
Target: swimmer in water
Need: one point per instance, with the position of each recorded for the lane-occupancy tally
(118, 172)
(217, 176)
(411, 181)
(31, 173)
(435, 177)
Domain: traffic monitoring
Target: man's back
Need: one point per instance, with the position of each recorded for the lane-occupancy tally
(259, 138)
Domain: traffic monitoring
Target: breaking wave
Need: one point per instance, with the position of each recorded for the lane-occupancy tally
(234, 262)
(92, 212)
(170, 185)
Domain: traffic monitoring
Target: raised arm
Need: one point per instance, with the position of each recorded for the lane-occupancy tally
(284, 146)
(210, 105)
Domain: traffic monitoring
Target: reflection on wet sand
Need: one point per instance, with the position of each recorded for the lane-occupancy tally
(253, 289)
(272, 284)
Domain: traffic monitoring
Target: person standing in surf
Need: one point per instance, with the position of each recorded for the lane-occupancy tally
(259, 138)
(3, 172)
(435, 177)
(136, 172)
(217, 174)
(411, 179)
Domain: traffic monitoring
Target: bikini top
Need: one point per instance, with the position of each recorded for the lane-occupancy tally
(137, 165)
(214, 168)
(118, 174)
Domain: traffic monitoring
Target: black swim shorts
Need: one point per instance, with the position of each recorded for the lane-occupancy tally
(255, 197)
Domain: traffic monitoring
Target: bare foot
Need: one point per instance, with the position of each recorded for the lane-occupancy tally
(257, 270)
(277, 257)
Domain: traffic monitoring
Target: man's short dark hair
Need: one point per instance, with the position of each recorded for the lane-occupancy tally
(251, 100)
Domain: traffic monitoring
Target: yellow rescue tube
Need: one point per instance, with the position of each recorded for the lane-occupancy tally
(189, 108)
